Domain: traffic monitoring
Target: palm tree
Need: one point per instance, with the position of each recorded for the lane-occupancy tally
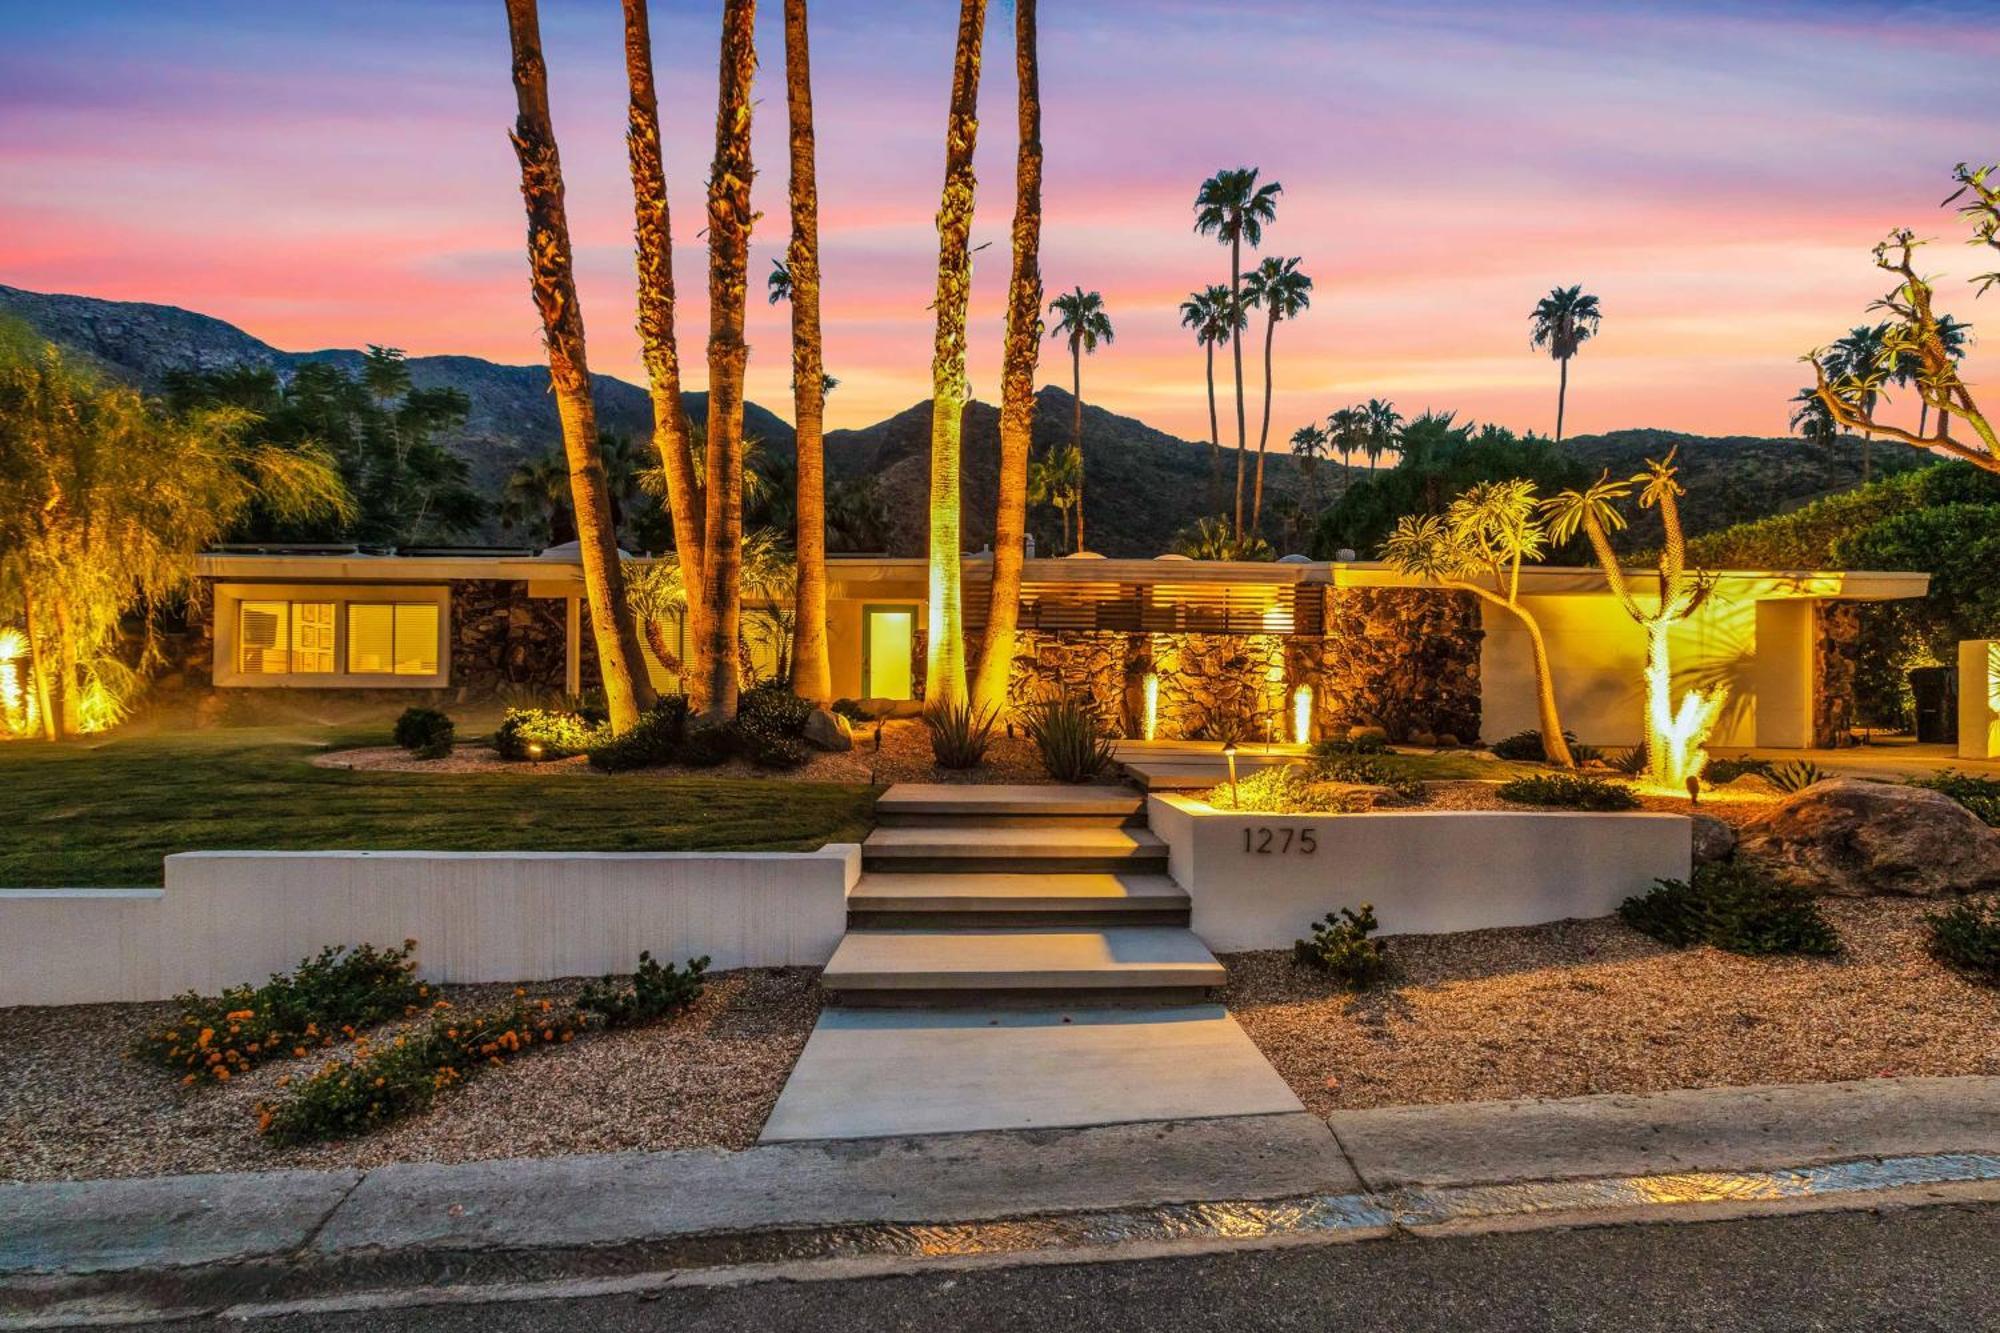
(778, 282)
(552, 280)
(1282, 292)
(535, 496)
(1383, 429)
(944, 674)
(1020, 350)
(1209, 313)
(1562, 322)
(1812, 420)
(1233, 208)
(812, 673)
(1054, 479)
(1859, 357)
(1347, 431)
(1309, 443)
(1081, 319)
(680, 483)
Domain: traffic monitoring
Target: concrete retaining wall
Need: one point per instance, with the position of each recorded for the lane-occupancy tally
(1425, 871)
(226, 917)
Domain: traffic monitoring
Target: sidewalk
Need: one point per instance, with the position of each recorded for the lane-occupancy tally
(204, 1244)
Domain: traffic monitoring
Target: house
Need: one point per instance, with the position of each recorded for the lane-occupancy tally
(1166, 647)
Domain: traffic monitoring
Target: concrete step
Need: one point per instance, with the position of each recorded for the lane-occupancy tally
(950, 901)
(943, 804)
(970, 847)
(1159, 964)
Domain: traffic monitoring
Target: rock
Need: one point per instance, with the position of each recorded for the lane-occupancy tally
(1714, 839)
(1850, 837)
(828, 730)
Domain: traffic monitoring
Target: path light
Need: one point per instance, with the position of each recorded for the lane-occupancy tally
(1302, 715)
(17, 703)
(1150, 687)
(1229, 753)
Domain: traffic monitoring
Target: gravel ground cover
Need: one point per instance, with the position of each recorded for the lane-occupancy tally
(73, 1106)
(1580, 1007)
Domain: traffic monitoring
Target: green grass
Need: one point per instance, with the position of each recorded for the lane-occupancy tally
(1462, 766)
(103, 812)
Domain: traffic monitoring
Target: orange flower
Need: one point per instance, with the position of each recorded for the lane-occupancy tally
(207, 1036)
(221, 1074)
(299, 1052)
(188, 1081)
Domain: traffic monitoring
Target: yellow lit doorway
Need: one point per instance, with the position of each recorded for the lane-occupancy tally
(888, 635)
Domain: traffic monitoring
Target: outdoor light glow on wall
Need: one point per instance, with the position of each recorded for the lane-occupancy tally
(17, 701)
(1302, 715)
(1150, 688)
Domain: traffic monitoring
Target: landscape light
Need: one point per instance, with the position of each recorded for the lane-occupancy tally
(1150, 688)
(1302, 715)
(1229, 753)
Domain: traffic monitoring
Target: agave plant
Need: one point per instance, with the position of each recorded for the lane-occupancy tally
(1796, 775)
(959, 734)
(1073, 747)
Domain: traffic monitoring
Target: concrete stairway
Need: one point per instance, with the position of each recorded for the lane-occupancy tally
(971, 895)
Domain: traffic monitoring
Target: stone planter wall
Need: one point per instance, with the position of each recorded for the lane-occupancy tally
(1403, 659)
(1836, 657)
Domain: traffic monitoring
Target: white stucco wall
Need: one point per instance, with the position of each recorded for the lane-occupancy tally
(1425, 871)
(1979, 699)
(79, 946)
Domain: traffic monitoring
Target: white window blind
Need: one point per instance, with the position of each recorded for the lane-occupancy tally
(392, 638)
(261, 637)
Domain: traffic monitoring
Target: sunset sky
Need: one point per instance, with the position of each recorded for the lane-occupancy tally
(338, 173)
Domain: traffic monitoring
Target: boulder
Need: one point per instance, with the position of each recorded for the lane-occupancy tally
(1714, 839)
(828, 730)
(1851, 837)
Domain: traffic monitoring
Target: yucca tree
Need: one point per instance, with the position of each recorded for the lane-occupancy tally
(1952, 336)
(1673, 734)
(1561, 323)
(552, 280)
(1347, 430)
(1281, 291)
(1478, 545)
(1384, 429)
(1080, 318)
(1309, 444)
(1215, 318)
(1018, 354)
(944, 674)
(1232, 207)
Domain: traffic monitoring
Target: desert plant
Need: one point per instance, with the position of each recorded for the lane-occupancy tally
(959, 735)
(1795, 775)
(1720, 771)
(1340, 945)
(1368, 769)
(1734, 907)
(1526, 747)
(1569, 791)
(655, 992)
(653, 740)
(1979, 795)
(1967, 935)
(425, 732)
(1630, 761)
(1288, 789)
(1065, 731)
(545, 733)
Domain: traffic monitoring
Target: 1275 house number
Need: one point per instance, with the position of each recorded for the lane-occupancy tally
(1279, 841)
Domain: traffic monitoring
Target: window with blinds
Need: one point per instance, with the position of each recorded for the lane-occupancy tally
(392, 638)
(262, 632)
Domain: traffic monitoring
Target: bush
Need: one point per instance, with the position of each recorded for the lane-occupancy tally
(1967, 935)
(543, 733)
(1795, 775)
(655, 992)
(1720, 771)
(1340, 945)
(770, 726)
(1569, 791)
(708, 742)
(1733, 907)
(1065, 731)
(959, 736)
(852, 710)
(425, 733)
(1373, 770)
(1526, 747)
(326, 998)
(1630, 761)
(1288, 790)
(1355, 742)
(653, 740)
(1979, 795)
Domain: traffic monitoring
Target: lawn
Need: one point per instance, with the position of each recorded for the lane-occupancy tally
(103, 812)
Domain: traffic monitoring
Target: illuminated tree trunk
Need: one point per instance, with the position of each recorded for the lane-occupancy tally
(1017, 380)
(1236, 351)
(1214, 433)
(812, 674)
(944, 675)
(1555, 747)
(658, 344)
(38, 666)
(1264, 434)
(729, 221)
(69, 711)
(1562, 397)
(552, 280)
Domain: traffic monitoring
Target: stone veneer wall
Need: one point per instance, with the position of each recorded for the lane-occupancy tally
(1836, 657)
(1403, 659)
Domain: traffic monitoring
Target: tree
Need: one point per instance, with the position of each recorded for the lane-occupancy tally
(1282, 292)
(1211, 539)
(679, 483)
(1347, 431)
(535, 496)
(552, 282)
(1917, 343)
(778, 282)
(1562, 322)
(944, 676)
(1673, 734)
(1811, 421)
(1384, 429)
(1233, 208)
(729, 222)
(1019, 352)
(1309, 443)
(1477, 545)
(1855, 357)
(106, 500)
(1080, 319)
(1055, 479)
(1215, 318)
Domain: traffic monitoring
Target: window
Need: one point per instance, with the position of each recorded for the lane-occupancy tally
(284, 638)
(392, 638)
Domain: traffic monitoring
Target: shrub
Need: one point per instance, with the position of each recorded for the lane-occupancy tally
(1795, 775)
(1967, 935)
(1355, 742)
(1526, 747)
(1733, 907)
(1979, 795)
(425, 733)
(770, 726)
(852, 710)
(653, 740)
(1720, 771)
(1569, 791)
(327, 997)
(959, 736)
(543, 733)
(708, 742)
(655, 992)
(1286, 790)
(1630, 761)
(1374, 770)
(1066, 733)
(1340, 945)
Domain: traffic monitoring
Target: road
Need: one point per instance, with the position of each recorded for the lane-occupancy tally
(1904, 1270)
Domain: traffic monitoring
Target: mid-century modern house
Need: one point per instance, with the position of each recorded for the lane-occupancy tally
(1167, 647)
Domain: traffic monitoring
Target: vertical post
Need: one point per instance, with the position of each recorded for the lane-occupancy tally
(573, 645)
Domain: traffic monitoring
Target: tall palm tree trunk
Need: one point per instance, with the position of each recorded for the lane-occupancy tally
(944, 674)
(69, 687)
(812, 673)
(1562, 398)
(1017, 381)
(1214, 433)
(38, 666)
(729, 221)
(1236, 350)
(658, 345)
(1264, 434)
(553, 282)
(1076, 426)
